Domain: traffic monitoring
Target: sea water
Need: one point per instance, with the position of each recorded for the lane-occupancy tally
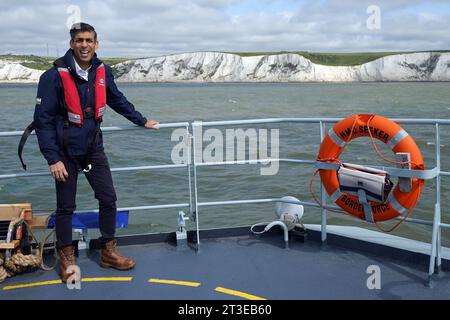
(173, 102)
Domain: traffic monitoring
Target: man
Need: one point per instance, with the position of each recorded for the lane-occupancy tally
(70, 103)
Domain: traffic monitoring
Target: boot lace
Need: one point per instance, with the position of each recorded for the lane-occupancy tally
(112, 247)
(69, 258)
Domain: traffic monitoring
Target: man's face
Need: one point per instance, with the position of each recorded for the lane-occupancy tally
(84, 46)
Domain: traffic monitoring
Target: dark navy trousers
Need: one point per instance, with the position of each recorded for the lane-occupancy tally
(100, 179)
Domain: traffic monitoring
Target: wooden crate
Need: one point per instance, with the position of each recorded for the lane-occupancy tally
(11, 245)
(39, 222)
(10, 212)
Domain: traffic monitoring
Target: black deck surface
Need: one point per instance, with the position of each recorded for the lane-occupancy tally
(259, 267)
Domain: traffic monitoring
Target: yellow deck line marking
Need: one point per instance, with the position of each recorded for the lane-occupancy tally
(180, 283)
(238, 294)
(34, 284)
(46, 283)
(107, 279)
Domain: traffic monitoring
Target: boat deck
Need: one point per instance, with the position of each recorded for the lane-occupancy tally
(233, 264)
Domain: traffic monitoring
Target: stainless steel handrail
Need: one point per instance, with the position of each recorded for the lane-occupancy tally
(122, 169)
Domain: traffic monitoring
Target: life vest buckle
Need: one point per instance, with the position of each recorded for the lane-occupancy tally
(88, 113)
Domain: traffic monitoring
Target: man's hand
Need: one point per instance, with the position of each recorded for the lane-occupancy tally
(59, 171)
(152, 124)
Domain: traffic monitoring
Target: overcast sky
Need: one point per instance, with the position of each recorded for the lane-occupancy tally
(144, 28)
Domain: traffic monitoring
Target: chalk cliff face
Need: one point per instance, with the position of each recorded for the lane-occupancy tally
(223, 67)
(15, 72)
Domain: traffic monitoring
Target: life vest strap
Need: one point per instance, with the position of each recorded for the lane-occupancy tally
(84, 165)
(87, 164)
(27, 132)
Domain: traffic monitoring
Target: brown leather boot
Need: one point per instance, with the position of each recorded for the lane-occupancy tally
(111, 258)
(66, 259)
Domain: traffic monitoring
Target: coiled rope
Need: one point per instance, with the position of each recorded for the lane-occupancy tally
(19, 263)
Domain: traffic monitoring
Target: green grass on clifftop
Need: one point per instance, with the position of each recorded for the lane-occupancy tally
(331, 59)
(44, 63)
(30, 61)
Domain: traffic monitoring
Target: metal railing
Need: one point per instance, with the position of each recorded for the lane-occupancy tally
(121, 169)
(191, 166)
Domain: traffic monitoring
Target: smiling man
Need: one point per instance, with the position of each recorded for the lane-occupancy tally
(71, 101)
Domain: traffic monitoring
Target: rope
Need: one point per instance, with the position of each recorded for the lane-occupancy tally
(3, 273)
(311, 190)
(31, 260)
(380, 154)
(395, 162)
(401, 221)
(40, 249)
(20, 263)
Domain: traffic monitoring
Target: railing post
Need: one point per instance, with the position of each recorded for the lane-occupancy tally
(435, 255)
(323, 196)
(194, 145)
(438, 196)
(189, 163)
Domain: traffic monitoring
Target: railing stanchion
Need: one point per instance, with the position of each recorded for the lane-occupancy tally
(323, 196)
(435, 257)
(194, 146)
(438, 196)
(188, 162)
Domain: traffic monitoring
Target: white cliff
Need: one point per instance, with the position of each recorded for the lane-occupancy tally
(12, 71)
(223, 67)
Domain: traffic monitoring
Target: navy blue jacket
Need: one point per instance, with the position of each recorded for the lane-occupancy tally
(49, 115)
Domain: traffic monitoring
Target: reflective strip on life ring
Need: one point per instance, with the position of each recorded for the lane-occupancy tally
(387, 131)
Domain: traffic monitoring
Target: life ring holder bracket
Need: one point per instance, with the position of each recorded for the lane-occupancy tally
(394, 172)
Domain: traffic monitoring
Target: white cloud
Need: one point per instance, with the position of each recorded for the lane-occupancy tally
(148, 28)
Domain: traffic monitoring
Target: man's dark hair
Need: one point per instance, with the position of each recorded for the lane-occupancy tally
(81, 27)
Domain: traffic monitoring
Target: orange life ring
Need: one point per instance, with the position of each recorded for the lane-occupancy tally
(387, 131)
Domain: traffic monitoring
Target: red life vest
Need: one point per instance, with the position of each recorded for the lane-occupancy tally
(74, 108)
